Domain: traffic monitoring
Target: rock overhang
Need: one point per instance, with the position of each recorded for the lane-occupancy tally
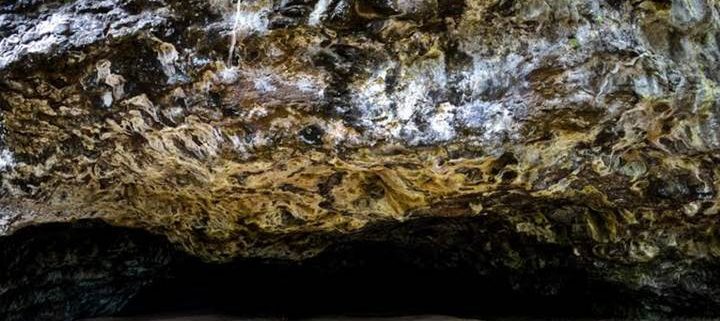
(258, 128)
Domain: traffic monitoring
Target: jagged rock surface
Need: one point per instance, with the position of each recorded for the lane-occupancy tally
(270, 129)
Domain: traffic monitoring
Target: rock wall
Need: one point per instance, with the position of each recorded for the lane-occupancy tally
(272, 129)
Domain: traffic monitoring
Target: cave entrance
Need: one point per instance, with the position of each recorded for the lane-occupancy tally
(462, 268)
(366, 279)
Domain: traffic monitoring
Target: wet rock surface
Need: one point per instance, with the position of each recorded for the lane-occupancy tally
(584, 134)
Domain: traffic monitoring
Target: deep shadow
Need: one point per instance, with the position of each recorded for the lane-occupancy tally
(460, 267)
(430, 266)
(381, 286)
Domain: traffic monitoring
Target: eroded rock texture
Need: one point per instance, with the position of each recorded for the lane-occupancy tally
(272, 129)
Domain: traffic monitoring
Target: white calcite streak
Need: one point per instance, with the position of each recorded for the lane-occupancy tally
(249, 17)
(410, 113)
(7, 159)
(318, 12)
(71, 27)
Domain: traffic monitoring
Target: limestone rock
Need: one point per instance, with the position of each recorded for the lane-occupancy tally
(276, 129)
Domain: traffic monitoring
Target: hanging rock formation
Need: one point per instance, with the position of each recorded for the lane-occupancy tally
(265, 129)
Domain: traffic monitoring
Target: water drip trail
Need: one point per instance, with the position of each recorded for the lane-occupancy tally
(233, 40)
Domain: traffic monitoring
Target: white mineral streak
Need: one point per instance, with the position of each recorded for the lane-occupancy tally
(263, 83)
(267, 80)
(306, 84)
(69, 27)
(441, 124)
(494, 119)
(409, 113)
(318, 12)
(233, 36)
(7, 160)
(107, 99)
(373, 102)
(227, 75)
(57, 23)
(250, 17)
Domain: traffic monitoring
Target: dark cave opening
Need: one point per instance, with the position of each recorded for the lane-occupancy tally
(381, 286)
(90, 269)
